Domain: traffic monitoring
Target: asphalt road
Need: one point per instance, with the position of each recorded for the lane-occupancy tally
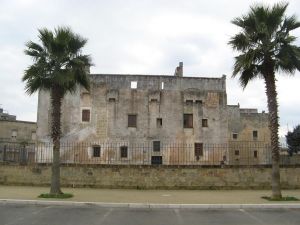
(21, 214)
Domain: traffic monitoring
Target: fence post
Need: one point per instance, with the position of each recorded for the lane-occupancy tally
(23, 154)
(4, 153)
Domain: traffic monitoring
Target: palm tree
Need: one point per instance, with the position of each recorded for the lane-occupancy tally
(266, 47)
(58, 67)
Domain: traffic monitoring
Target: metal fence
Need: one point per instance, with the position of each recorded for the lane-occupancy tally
(146, 153)
(13, 152)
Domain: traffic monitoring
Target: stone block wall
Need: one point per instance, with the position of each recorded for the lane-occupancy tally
(151, 177)
(23, 131)
(111, 100)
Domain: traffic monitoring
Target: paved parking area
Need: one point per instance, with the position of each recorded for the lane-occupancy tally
(22, 214)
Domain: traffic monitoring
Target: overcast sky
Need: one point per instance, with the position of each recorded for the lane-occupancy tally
(139, 37)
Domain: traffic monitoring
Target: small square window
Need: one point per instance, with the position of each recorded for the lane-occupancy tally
(86, 115)
(96, 151)
(124, 151)
(235, 136)
(255, 154)
(133, 84)
(187, 120)
(156, 146)
(198, 149)
(156, 160)
(159, 122)
(204, 123)
(236, 152)
(255, 134)
(131, 120)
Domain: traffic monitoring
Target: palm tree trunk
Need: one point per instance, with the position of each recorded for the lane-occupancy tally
(56, 99)
(274, 125)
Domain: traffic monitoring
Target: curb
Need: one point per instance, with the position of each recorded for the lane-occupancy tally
(152, 205)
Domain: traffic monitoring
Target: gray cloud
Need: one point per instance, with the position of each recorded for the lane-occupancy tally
(138, 36)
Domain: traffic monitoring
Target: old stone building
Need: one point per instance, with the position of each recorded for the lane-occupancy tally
(16, 139)
(249, 136)
(159, 110)
(13, 130)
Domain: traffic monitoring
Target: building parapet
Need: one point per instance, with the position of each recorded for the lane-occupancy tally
(158, 82)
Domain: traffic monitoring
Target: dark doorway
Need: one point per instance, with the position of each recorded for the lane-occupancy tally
(156, 160)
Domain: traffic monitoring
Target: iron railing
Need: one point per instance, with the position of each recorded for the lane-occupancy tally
(146, 153)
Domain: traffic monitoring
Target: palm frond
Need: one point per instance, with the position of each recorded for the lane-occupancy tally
(290, 23)
(276, 17)
(35, 78)
(264, 43)
(239, 42)
(58, 61)
(76, 43)
(247, 75)
(34, 46)
(238, 22)
(288, 59)
(46, 37)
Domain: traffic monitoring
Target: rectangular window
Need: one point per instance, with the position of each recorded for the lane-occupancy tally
(236, 152)
(153, 100)
(111, 99)
(14, 134)
(198, 102)
(96, 151)
(131, 120)
(189, 102)
(133, 84)
(162, 85)
(156, 160)
(156, 146)
(159, 122)
(124, 151)
(33, 135)
(255, 134)
(255, 154)
(188, 120)
(234, 136)
(86, 115)
(198, 149)
(204, 123)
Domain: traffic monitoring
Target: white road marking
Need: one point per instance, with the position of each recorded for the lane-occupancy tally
(103, 218)
(253, 217)
(179, 217)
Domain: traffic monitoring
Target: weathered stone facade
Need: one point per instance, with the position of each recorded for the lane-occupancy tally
(150, 177)
(13, 130)
(249, 136)
(153, 108)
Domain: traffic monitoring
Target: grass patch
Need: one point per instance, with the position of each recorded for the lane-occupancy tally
(59, 196)
(283, 199)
